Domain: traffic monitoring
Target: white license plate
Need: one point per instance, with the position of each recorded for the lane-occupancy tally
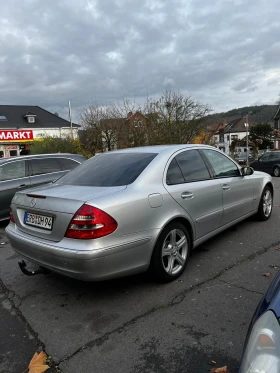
(41, 221)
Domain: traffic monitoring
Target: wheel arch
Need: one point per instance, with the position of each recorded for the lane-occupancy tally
(269, 184)
(182, 220)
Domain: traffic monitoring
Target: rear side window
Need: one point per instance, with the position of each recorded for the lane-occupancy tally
(68, 164)
(222, 166)
(12, 170)
(174, 174)
(274, 157)
(109, 169)
(44, 166)
(192, 166)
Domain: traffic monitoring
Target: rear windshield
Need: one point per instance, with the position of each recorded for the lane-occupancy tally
(108, 169)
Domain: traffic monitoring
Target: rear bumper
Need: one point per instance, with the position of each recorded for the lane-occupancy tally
(127, 258)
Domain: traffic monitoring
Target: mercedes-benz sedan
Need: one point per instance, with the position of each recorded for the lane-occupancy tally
(131, 210)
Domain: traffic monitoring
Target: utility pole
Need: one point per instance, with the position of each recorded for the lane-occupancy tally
(247, 141)
(70, 118)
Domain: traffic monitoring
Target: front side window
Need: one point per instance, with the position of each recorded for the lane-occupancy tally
(264, 157)
(192, 166)
(12, 170)
(222, 166)
(68, 164)
(44, 166)
(109, 169)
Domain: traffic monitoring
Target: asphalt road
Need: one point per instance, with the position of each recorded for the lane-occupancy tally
(134, 325)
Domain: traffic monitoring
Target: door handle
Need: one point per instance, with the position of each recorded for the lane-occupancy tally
(186, 195)
(226, 187)
(21, 186)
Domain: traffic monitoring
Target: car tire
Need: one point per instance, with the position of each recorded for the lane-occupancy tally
(265, 205)
(171, 253)
(276, 171)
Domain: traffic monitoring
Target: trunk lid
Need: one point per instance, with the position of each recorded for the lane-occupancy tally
(56, 204)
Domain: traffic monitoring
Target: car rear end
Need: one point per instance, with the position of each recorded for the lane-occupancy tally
(83, 231)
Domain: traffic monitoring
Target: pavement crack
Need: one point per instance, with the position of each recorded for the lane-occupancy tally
(177, 299)
(241, 287)
(15, 302)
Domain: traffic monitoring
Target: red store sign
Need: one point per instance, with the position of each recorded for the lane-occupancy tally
(16, 135)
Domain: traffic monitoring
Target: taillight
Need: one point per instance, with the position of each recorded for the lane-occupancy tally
(11, 215)
(89, 222)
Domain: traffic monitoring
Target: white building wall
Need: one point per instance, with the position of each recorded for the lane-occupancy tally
(228, 138)
(38, 133)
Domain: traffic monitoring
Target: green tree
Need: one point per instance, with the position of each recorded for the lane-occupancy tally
(261, 136)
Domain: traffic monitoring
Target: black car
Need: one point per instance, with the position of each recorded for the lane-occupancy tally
(28, 171)
(268, 162)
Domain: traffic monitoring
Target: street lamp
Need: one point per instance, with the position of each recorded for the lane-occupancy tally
(247, 141)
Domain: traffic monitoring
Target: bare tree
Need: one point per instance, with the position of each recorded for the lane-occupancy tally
(175, 118)
(99, 127)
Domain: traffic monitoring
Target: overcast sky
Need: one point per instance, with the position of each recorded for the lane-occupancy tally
(225, 53)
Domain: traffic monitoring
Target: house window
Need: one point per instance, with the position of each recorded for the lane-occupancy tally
(138, 123)
(222, 139)
(31, 120)
(234, 137)
(227, 137)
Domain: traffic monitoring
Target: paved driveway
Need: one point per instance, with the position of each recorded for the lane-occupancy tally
(135, 325)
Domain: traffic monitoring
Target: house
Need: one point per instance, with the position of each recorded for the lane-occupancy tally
(20, 125)
(233, 129)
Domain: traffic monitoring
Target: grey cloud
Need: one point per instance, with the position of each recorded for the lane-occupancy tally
(103, 49)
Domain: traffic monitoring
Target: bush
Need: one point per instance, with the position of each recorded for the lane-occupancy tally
(55, 144)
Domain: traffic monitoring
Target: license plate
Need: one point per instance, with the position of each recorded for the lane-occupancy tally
(41, 221)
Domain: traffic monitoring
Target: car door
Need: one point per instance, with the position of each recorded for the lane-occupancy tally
(44, 170)
(238, 190)
(13, 177)
(274, 162)
(189, 182)
(262, 163)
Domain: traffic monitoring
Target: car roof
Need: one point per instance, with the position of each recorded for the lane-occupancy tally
(38, 156)
(159, 148)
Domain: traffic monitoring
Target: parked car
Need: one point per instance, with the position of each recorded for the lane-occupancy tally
(262, 345)
(268, 162)
(131, 210)
(29, 171)
(241, 158)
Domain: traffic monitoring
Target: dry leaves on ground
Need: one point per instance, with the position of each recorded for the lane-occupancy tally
(267, 274)
(37, 363)
(220, 370)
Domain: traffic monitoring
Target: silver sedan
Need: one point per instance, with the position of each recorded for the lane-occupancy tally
(134, 210)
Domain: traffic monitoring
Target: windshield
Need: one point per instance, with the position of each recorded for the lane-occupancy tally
(108, 169)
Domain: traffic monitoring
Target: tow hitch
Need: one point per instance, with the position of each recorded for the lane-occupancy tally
(22, 266)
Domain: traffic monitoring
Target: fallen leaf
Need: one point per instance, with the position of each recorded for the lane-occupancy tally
(37, 363)
(220, 370)
(278, 249)
(213, 362)
(273, 266)
(267, 274)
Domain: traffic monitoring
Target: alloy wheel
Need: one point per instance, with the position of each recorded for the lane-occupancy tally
(174, 251)
(276, 171)
(267, 203)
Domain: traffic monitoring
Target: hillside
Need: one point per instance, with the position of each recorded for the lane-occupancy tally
(259, 114)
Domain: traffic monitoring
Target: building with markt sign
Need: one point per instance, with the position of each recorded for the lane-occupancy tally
(20, 125)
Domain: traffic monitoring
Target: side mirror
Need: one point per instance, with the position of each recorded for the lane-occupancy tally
(246, 171)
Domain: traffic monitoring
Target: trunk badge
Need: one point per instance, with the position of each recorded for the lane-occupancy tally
(33, 202)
